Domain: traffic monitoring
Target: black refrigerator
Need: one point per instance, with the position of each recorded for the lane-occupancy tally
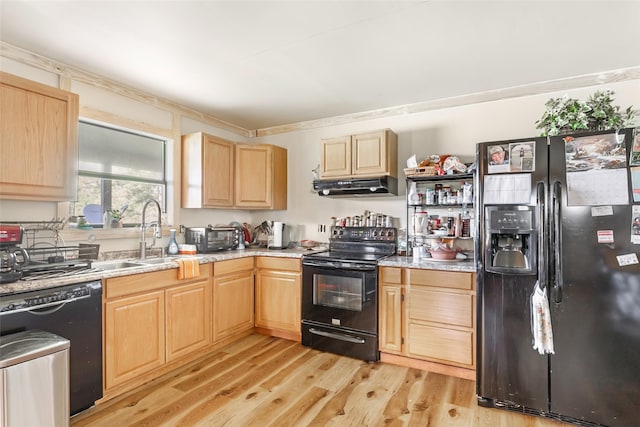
(560, 215)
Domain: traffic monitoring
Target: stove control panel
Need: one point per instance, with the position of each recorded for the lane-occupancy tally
(363, 234)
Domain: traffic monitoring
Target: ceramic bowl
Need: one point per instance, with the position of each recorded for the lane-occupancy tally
(443, 253)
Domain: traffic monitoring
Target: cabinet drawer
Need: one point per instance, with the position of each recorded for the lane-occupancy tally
(391, 275)
(143, 282)
(232, 266)
(441, 343)
(442, 307)
(442, 279)
(279, 264)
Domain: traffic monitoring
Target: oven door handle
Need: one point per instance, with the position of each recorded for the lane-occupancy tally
(341, 337)
(339, 267)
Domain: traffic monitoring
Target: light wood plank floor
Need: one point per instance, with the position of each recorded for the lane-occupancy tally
(265, 381)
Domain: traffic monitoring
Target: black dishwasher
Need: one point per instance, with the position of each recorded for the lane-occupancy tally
(73, 312)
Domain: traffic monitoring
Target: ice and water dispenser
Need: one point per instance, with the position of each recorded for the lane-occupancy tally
(510, 239)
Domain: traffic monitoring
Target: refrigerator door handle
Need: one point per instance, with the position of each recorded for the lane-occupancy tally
(557, 242)
(542, 230)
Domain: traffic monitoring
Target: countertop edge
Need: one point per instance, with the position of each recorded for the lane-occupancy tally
(33, 285)
(395, 261)
(468, 266)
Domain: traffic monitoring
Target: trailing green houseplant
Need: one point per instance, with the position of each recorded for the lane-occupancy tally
(568, 115)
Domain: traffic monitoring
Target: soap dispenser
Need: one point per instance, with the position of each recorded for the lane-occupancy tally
(173, 248)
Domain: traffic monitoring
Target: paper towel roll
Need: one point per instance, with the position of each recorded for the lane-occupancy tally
(278, 227)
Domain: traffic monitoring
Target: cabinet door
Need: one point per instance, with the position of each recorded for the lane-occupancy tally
(134, 337)
(39, 141)
(278, 300)
(373, 154)
(253, 176)
(260, 177)
(217, 172)
(207, 171)
(335, 159)
(452, 346)
(232, 304)
(391, 318)
(438, 306)
(188, 318)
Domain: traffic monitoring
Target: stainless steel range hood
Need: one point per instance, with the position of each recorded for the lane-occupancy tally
(357, 187)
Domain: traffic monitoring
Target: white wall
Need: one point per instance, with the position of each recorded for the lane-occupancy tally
(447, 131)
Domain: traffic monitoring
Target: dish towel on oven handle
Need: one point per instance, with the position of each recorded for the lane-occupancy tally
(541, 321)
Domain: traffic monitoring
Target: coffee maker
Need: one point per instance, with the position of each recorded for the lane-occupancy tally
(12, 256)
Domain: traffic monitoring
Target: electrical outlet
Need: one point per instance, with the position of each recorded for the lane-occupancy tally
(322, 228)
(182, 229)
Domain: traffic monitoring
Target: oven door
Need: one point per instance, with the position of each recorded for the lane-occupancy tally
(343, 297)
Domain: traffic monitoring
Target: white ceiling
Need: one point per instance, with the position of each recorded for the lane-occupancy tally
(259, 64)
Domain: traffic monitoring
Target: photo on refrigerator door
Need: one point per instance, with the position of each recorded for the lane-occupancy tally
(635, 225)
(498, 156)
(522, 156)
(604, 151)
(634, 158)
(635, 184)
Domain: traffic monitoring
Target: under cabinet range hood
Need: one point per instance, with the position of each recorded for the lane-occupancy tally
(357, 187)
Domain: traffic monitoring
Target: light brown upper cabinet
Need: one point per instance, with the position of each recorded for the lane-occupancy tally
(370, 154)
(207, 171)
(38, 141)
(261, 177)
(221, 174)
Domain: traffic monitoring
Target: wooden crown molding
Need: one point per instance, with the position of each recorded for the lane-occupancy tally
(549, 86)
(67, 73)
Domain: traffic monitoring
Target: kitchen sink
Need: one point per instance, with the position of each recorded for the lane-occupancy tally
(114, 265)
(155, 260)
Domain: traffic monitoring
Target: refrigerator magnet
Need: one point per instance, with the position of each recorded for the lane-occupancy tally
(602, 210)
(627, 259)
(605, 236)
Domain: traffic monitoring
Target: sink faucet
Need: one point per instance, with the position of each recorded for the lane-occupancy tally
(157, 225)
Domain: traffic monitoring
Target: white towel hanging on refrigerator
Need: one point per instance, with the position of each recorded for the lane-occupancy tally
(541, 321)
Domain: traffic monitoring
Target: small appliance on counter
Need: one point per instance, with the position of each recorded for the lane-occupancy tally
(278, 237)
(12, 256)
(214, 239)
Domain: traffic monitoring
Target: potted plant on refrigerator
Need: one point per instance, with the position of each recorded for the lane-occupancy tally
(566, 115)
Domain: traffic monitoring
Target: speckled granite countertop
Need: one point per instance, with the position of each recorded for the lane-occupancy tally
(395, 261)
(29, 285)
(429, 264)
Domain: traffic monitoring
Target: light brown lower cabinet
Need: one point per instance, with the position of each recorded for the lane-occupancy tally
(278, 293)
(392, 292)
(428, 315)
(151, 320)
(188, 310)
(233, 297)
(135, 331)
(154, 322)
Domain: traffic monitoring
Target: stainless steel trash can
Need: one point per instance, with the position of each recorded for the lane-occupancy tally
(34, 380)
